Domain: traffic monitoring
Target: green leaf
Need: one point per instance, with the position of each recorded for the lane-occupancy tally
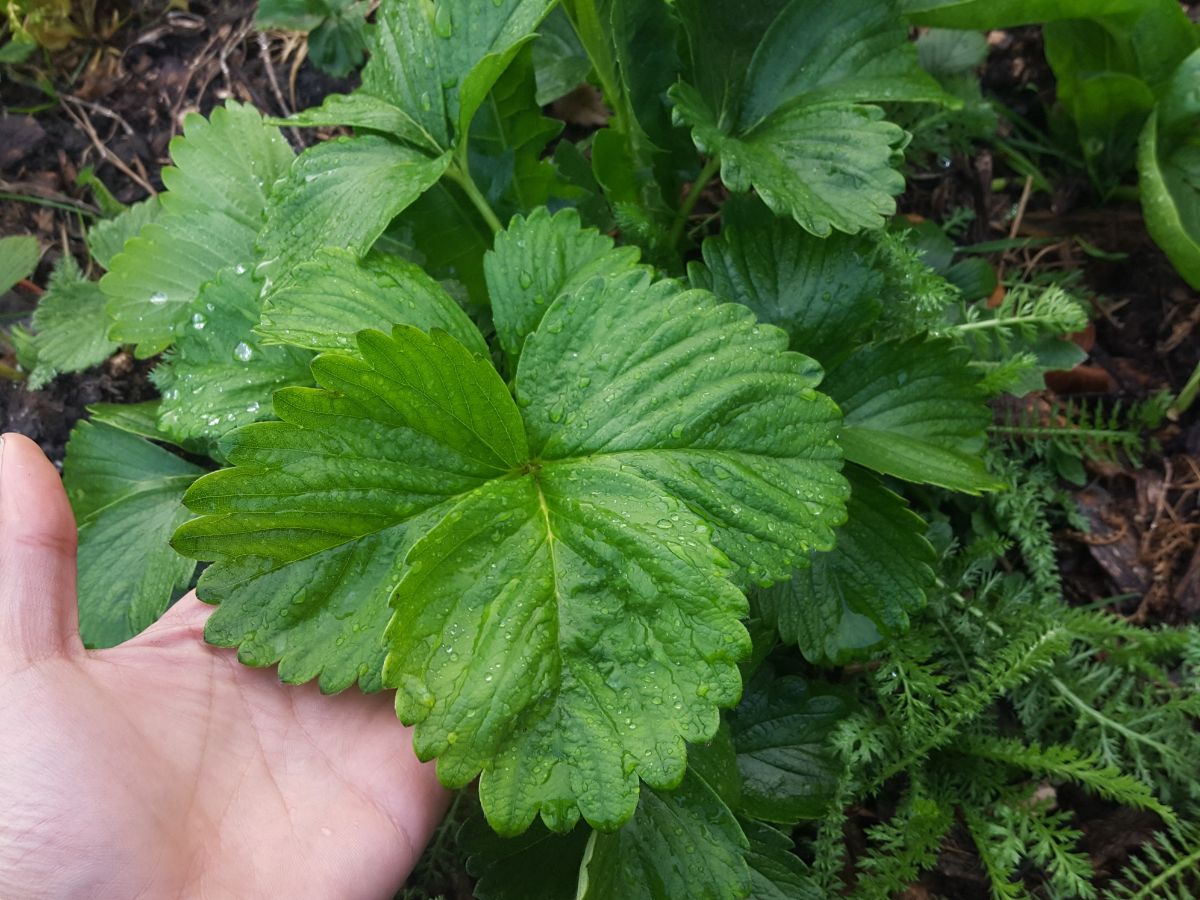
(1169, 172)
(126, 495)
(982, 15)
(685, 843)
(19, 256)
(849, 599)
(776, 873)
(508, 137)
(561, 584)
(451, 237)
(330, 299)
(560, 63)
(778, 96)
(914, 409)
(536, 865)
(343, 193)
(338, 44)
(536, 260)
(140, 419)
(822, 292)
(71, 325)
(287, 15)
(218, 377)
(212, 211)
(107, 238)
(781, 731)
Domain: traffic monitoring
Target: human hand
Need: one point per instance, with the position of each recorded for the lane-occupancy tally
(163, 768)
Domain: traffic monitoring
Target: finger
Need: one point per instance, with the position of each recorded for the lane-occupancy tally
(38, 616)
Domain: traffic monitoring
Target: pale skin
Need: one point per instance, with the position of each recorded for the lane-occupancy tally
(163, 768)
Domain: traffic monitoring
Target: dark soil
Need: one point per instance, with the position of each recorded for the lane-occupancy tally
(122, 90)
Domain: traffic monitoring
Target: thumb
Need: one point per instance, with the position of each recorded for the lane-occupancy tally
(38, 616)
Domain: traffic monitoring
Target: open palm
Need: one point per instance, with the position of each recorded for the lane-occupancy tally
(163, 767)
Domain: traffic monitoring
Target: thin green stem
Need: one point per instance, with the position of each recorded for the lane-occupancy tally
(42, 201)
(460, 174)
(1187, 396)
(689, 202)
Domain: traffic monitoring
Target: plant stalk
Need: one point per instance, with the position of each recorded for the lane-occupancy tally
(461, 175)
(689, 202)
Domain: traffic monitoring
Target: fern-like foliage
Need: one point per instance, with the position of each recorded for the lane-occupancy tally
(1167, 868)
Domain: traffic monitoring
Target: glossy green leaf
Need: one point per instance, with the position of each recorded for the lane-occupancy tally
(776, 873)
(915, 410)
(536, 865)
(560, 63)
(343, 193)
(71, 325)
(778, 96)
(849, 599)
(126, 495)
(218, 376)
(1169, 171)
(685, 843)
(217, 192)
(822, 292)
(781, 731)
(19, 256)
(538, 258)
(562, 584)
(107, 238)
(330, 299)
(451, 238)
(140, 419)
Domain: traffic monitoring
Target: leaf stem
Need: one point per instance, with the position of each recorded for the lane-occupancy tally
(689, 202)
(460, 174)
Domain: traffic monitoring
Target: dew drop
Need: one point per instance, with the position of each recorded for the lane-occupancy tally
(158, 298)
(242, 352)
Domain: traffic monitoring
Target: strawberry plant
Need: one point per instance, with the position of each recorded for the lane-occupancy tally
(457, 407)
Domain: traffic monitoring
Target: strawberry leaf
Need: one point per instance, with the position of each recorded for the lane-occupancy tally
(777, 93)
(71, 325)
(213, 208)
(685, 843)
(560, 608)
(126, 494)
(849, 599)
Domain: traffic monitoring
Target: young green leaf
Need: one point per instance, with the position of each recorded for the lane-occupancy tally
(71, 325)
(822, 292)
(225, 167)
(126, 494)
(107, 238)
(850, 598)
(781, 730)
(19, 256)
(1169, 168)
(573, 529)
(336, 295)
(539, 258)
(914, 409)
(685, 843)
(217, 376)
(777, 94)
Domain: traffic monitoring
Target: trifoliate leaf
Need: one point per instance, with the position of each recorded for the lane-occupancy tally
(126, 495)
(225, 168)
(781, 730)
(563, 586)
(822, 292)
(218, 376)
(1169, 169)
(327, 301)
(107, 238)
(685, 843)
(537, 259)
(71, 325)
(914, 409)
(343, 193)
(776, 92)
(19, 256)
(536, 865)
(850, 598)
(776, 873)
